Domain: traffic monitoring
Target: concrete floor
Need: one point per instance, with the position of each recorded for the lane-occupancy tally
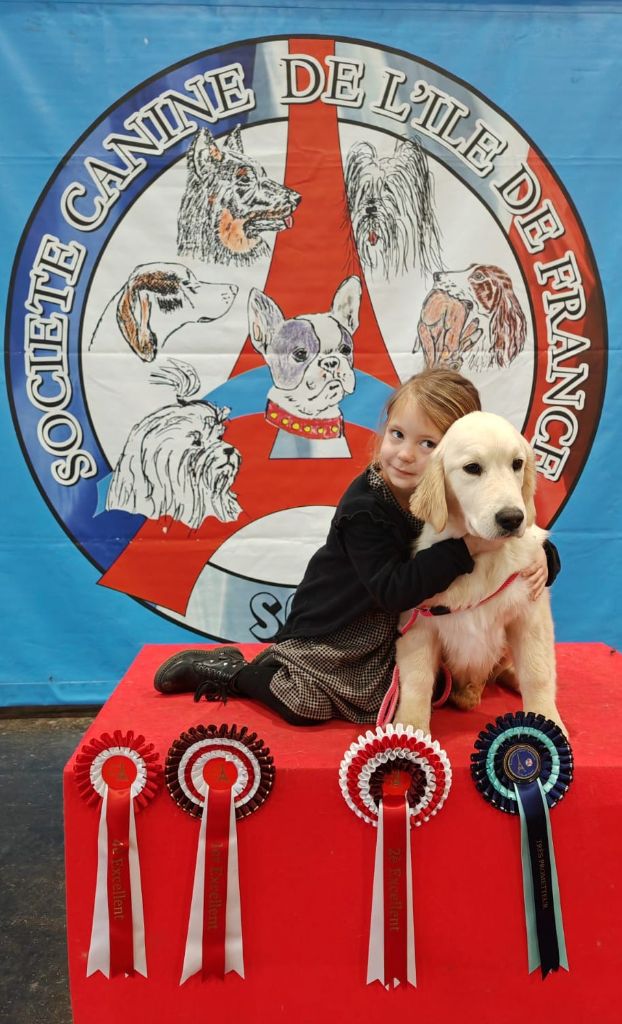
(33, 973)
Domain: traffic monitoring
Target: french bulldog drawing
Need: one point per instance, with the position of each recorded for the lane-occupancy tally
(311, 363)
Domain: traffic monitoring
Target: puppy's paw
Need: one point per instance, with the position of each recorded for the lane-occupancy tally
(552, 714)
(410, 716)
(466, 697)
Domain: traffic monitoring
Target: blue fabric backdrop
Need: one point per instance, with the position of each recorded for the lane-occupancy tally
(554, 69)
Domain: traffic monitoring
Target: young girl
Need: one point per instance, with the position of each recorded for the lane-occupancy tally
(334, 656)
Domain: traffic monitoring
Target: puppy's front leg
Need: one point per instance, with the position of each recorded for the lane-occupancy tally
(532, 643)
(418, 656)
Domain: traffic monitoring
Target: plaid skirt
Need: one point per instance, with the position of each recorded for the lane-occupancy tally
(345, 674)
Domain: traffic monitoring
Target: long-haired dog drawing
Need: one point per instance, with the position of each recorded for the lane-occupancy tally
(311, 363)
(470, 309)
(155, 301)
(175, 461)
(391, 205)
(229, 201)
(480, 480)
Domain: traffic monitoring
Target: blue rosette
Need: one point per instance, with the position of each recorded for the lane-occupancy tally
(523, 765)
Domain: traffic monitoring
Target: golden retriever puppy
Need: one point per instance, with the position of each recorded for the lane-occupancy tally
(480, 480)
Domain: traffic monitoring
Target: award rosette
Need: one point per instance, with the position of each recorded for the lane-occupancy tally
(121, 772)
(394, 778)
(217, 774)
(523, 765)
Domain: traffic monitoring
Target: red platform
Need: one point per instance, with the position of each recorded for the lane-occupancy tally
(306, 865)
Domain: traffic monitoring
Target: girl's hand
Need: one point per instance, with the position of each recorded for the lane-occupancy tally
(536, 576)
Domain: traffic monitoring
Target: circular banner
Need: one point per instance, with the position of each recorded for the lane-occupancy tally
(197, 310)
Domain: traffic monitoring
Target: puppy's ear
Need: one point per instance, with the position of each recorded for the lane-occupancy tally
(529, 484)
(264, 320)
(346, 303)
(429, 501)
(136, 329)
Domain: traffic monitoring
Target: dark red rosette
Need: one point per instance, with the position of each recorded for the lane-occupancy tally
(394, 778)
(122, 773)
(217, 774)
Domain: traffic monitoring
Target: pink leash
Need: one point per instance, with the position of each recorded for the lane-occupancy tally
(389, 704)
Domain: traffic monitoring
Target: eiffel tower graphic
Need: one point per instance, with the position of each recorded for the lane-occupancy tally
(163, 561)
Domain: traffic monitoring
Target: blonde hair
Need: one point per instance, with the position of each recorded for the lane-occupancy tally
(442, 395)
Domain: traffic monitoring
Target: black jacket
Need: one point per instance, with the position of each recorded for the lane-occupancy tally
(366, 564)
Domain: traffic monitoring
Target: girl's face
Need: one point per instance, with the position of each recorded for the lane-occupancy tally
(409, 439)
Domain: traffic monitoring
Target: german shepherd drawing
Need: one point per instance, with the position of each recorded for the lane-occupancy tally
(229, 202)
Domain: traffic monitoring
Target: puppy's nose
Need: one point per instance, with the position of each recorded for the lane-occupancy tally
(329, 363)
(229, 451)
(509, 519)
(371, 209)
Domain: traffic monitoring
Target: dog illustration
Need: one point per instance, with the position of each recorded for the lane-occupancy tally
(311, 362)
(392, 208)
(467, 307)
(156, 300)
(228, 202)
(480, 480)
(175, 461)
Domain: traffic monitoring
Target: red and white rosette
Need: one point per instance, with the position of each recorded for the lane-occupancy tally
(121, 772)
(217, 773)
(394, 778)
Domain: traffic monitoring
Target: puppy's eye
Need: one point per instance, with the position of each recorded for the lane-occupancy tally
(195, 438)
(477, 276)
(517, 464)
(299, 355)
(345, 349)
(473, 469)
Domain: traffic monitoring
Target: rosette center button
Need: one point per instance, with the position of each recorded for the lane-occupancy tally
(119, 772)
(219, 773)
(522, 763)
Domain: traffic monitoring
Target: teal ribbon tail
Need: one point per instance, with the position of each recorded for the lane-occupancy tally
(531, 922)
(533, 953)
(557, 903)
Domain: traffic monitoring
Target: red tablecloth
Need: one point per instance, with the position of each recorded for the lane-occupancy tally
(306, 865)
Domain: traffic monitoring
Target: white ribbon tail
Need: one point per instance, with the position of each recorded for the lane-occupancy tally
(375, 960)
(138, 921)
(99, 948)
(234, 951)
(193, 957)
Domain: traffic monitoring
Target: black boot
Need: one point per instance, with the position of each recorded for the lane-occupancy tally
(185, 671)
(217, 680)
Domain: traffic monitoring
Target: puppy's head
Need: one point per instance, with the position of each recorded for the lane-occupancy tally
(484, 472)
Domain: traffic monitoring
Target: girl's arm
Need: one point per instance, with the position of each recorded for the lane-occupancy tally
(396, 580)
